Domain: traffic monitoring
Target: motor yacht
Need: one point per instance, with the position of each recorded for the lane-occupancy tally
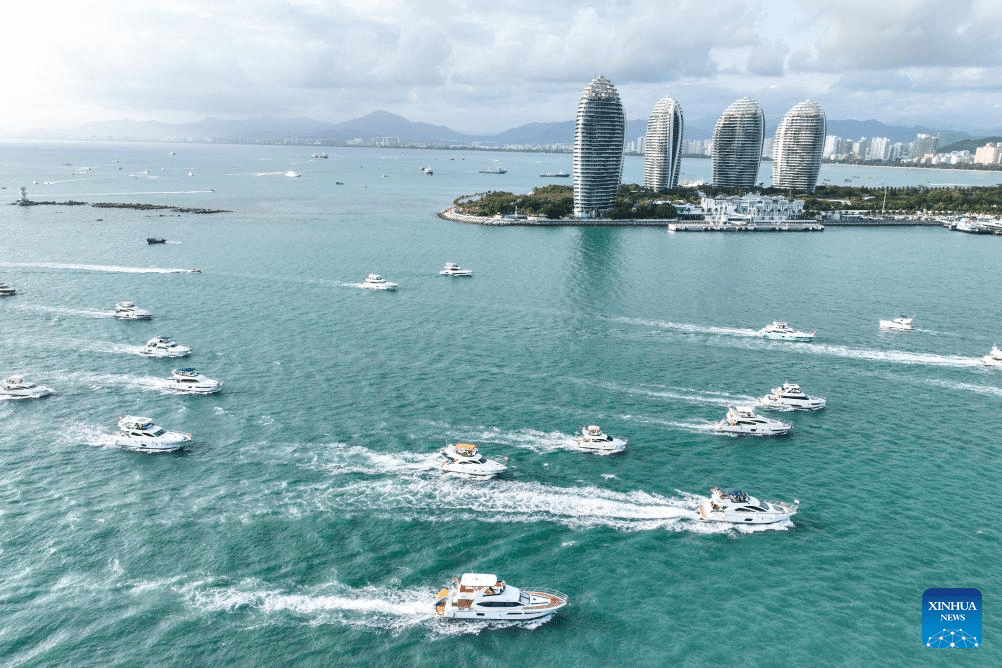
(593, 439)
(16, 387)
(902, 323)
(140, 433)
(377, 282)
(744, 421)
(790, 397)
(6, 290)
(129, 311)
(453, 269)
(190, 381)
(733, 505)
(162, 346)
(994, 356)
(466, 459)
(483, 596)
(783, 332)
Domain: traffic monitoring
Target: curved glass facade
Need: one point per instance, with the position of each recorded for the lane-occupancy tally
(737, 144)
(800, 141)
(663, 145)
(598, 149)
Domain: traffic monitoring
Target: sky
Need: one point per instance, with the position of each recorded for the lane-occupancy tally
(486, 66)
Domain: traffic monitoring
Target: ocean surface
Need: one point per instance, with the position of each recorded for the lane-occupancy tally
(306, 525)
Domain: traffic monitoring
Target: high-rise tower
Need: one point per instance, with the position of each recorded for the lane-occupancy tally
(598, 149)
(737, 144)
(663, 145)
(800, 141)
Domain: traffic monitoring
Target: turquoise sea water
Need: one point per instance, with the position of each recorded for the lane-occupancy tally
(304, 526)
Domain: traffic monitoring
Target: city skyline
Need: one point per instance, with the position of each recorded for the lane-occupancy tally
(488, 68)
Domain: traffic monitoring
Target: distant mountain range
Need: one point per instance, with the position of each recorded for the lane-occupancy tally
(383, 124)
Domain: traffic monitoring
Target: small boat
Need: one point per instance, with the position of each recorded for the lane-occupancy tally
(783, 332)
(453, 269)
(17, 387)
(994, 356)
(6, 290)
(790, 397)
(156, 240)
(293, 174)
(464, 458)
(377, 282)
(555, 175)
(142, 434)
(162, 346)
(129, 311)
(900, 324)
(483, 596)
(190, 381)
(494, 170)
(428, 170)
(592, 438)
(733, 505)
(744, 421)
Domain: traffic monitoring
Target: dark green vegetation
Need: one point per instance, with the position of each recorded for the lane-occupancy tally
(636, 202)
(122, 205)
(967, 144)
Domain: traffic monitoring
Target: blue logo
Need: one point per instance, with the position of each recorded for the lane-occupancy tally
(951, 618)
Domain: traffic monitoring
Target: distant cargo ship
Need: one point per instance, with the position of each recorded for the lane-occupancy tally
(494, 170)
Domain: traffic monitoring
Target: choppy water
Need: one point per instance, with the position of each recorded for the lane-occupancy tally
(306, 525)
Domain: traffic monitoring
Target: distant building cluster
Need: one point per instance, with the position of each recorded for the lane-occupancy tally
(737, 148)
(921, 150)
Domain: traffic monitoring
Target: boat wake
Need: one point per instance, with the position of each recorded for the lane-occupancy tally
(370, 608)
(115, 269)
(689, 327)
(895, 356)
(357, 459)
(136, 382)
(58, 310)
(686, 394)
(528, 439)
(691, 427)
(989, 390)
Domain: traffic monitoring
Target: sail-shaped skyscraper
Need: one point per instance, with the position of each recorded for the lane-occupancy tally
(663, 145)
(737, 144)
(598, 148)
(800, 140)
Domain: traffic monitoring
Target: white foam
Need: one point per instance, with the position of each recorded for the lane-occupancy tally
(357, 459)
(989, 390)
(690, 327)
(117, 269)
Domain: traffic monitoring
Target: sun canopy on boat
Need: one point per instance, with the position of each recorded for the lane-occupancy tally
(477, 580)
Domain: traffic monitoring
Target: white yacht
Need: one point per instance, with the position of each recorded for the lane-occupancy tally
(744, 421)
(17, 387)
(293, 174)
(783, 332)
(733, 505)
(377, 282)
(140, 433)
(162, 346)
(6, 290)
(129, 311)
(190, 381)
(902, 323)
(466, 459)
(453, 269)
(790, 397)
(592, 438)
(483, 596)
(994, 356)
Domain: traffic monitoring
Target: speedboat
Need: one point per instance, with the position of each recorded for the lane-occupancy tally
(140, 433)
(592, 438)
(156, 240)
(902, 323)
(129, 311)
(6, 290)
(744, 421)
(466, 459)
(190, 381)
(733, 505)
(377, 282)
(17, 387)
(162, 346)
(783, 332)
(453, 269)
(483, 596)
(994, 356)
(293, 174)
(790, 397)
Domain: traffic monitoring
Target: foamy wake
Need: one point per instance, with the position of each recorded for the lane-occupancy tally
(989, 390)
(895, 356)
(121, 380)
(373, 608)
(58, 310)
(689, 327)
(99, 267)
(357, 459)
(686, 394)
(528, 439)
